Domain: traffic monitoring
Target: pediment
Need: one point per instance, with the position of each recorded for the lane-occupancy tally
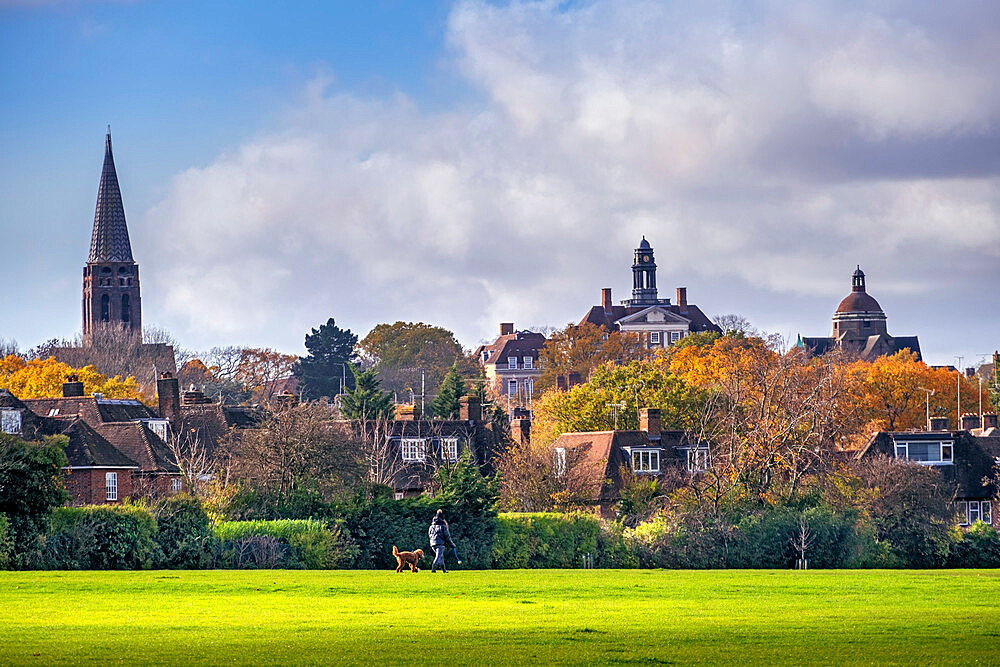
(653, 315)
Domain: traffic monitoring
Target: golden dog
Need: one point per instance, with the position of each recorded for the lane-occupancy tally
(404, 558)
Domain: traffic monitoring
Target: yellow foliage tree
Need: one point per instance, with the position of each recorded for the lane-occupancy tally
(43, 378)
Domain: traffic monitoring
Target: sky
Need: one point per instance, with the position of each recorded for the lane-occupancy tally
(469, 163)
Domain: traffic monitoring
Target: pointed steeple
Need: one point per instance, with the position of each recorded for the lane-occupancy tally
(109, 242)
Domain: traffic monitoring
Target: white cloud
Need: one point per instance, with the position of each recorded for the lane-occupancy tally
(738, 143)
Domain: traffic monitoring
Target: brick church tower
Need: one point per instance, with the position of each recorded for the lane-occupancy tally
(111, 276)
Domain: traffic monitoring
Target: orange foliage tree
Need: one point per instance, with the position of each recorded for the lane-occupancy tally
(582, 348)
(43, 378)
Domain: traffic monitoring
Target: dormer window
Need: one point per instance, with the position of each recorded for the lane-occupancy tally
(528, 362)
(926, 452)
(512, 363)
(697, 460)
(413, 449)
(10, 421)
(645, 460)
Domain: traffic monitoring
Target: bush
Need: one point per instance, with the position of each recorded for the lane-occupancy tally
(545, 540)
(292, 543)
(977, 547)
(31, 485)
(184, 533)
(6, 543)
(101, 537)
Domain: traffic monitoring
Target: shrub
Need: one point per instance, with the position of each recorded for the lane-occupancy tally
(184, 533)
(293, 543)
(545, 539)
(101, 537)
(6, 543)
(977, 547)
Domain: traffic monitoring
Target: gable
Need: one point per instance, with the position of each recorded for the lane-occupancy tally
(654, 315)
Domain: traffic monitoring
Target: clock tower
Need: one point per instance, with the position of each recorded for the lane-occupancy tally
(644, 278)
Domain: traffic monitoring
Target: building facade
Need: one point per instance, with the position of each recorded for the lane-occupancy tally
(859, 328)
(511, 364)
(656, 321)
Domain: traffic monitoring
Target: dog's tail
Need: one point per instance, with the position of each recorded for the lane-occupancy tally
(395, 551)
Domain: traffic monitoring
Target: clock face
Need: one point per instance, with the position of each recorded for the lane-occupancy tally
(645, 258)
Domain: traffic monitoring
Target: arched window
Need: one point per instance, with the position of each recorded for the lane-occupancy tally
(126, 308)
(105, 308)
(105, 279)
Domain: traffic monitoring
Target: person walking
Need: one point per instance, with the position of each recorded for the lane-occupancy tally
(440, 538)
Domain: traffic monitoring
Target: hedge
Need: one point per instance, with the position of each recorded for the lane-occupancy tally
(6, 542)
(545, 540)
(288, 543)
(101, 537)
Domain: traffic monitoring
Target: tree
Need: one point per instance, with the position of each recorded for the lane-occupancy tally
(446, 404)
(404, 352)
(31, 486)
(732, 323)
(323, 372)
(260, 369)
(582, 348)
(366, 401)
(43, 378)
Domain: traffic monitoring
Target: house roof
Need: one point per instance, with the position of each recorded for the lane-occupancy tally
(109, 241)
(609, 318)
(518, 344)
(137, 442)
(92, 409)
(654, 314)
(86, 446)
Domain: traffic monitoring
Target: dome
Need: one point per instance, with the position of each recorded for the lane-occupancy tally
(859, 302)
(644, 244)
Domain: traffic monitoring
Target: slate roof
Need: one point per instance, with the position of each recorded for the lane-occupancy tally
(87, 447)
(209, 422)
(109, 242)
(137, 442)
(519, 344)
(92, 409)
(609, 319)
(866, 348)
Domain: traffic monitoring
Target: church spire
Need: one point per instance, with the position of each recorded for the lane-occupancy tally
(109, 242)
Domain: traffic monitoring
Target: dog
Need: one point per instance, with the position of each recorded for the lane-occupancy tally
(404, 558)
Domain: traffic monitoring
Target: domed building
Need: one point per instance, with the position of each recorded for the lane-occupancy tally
(859, 328)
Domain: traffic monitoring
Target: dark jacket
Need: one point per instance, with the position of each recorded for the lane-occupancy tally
(439, 535)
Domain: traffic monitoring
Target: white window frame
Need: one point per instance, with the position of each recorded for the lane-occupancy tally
(111, 486)
(529, 386)
(675, 336)
(512, 387)
(529, 362)
(512, 363)
(10, 421)
(654, 337)
(970, 511)
(559, 461)
(645, 461)
(986, 512)
(946, 451)
(963, 512)
(161, 427)
(974, 512)
(449, 449)
(699, 461)
(176, 485)
(413, 449)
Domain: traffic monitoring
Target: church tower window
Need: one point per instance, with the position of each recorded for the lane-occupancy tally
(126, 309)
(105, 308)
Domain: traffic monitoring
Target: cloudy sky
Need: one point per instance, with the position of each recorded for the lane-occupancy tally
(467, 163)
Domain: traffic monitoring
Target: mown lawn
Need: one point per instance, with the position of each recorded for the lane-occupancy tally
(500, 617)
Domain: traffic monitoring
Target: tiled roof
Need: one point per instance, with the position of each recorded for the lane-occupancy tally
(92, 409)
(109, 242)
(86, 446)
(509, 345)
(140, 444)
(608, 319)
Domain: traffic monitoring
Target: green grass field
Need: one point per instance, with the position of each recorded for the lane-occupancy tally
(500, 617)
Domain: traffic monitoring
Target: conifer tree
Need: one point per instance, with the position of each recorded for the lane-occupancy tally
(367, 400)
(446, 404)
(323, 372)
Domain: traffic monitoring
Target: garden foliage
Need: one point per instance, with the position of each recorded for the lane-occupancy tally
(101, 537)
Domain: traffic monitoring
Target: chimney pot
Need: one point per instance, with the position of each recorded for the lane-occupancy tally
(939, 423)
(407, 412)
(990, 420)
(970, 421)
(506, 328)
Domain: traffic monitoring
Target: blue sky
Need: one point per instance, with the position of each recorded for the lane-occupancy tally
(466, 163)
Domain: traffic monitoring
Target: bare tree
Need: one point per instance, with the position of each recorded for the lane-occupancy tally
(733, 322)
(191, 456)
(8, 346)
(802, 540)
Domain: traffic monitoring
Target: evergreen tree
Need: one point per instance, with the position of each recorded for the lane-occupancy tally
(366, 400)
(446, 404)
(323, 371)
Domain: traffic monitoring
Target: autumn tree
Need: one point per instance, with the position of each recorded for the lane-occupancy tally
(403, 352)
(259, 370)
(323, 371)
(612, 399)
(581, 348)
(44, 378)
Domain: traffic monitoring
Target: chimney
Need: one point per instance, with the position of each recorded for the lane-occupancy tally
(168, 396)
(649, 421)
(72, 387)
(970, 421)
(285, 400)
(520, 431)
(560, 383)
(407, 412)
(939, 423)
(990, 420)
(470, 409)
(606, 299)
(506, 328)
(682, 298)
(194, 397)
(574, 379)
(521, 413)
